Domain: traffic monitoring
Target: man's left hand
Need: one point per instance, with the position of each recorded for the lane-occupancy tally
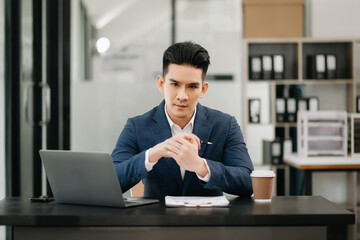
(184, 149)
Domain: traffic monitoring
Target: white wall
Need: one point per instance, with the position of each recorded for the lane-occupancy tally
(2, 110)
(335, 18)
(255, 133)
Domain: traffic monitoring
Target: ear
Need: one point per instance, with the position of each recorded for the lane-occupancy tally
(160, 83)
(204, 89)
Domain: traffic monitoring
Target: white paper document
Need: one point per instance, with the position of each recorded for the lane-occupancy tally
(217, 201)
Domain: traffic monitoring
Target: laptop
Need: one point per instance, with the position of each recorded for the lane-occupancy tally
(85, 178)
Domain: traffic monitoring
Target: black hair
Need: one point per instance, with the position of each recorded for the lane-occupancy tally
(186, 53)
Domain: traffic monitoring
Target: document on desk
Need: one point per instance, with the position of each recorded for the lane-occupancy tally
(217, 201)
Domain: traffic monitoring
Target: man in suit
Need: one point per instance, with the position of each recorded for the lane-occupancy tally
(162, 147)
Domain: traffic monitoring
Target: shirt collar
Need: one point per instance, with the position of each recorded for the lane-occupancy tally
(171, 123)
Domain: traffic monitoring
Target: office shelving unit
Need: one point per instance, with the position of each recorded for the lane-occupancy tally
(295, 52)
(339, 93)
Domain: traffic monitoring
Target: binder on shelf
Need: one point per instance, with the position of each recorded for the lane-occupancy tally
(278, 62)
(291, 110)
(273, 152)
(313, 104)
(267, 67)
(280, 110)
(254, 110)
(354, 134)
(330, 66)
(255, 67)
(316, 66)
(302, 104)
(358, 104)
(293, 137)
(287, 146)
(320, 66)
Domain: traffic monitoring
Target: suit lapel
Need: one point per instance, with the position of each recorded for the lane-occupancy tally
(202, 129)
(161, 131)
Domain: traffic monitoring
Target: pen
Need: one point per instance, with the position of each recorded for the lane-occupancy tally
(205, 142)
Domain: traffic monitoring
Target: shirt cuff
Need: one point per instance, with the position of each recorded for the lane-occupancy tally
(207, 176)
(148, 165)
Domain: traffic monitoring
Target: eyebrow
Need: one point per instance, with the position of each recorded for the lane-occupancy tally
(192, 84)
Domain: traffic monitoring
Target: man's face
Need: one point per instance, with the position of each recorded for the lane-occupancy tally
(182, 89)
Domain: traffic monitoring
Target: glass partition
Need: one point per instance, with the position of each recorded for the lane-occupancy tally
(120, 55)
(117, 54)
(120, 47)
(217, 26)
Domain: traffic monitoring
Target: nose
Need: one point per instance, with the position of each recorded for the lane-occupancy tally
(182, 94)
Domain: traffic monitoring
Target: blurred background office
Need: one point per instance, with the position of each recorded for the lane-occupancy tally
(73, 71)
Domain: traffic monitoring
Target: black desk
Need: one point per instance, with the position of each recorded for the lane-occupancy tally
(300, 217)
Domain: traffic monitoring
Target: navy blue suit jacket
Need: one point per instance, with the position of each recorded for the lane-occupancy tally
(227, 157)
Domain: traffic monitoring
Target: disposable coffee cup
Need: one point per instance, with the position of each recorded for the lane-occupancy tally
(262, 182)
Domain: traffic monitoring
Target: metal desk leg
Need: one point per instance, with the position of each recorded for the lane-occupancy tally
(308, 182)
(287, 180)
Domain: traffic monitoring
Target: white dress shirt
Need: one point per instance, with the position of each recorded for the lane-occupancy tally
(175, 129)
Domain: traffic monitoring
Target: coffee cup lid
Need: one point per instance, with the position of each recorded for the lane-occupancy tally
(262, 173)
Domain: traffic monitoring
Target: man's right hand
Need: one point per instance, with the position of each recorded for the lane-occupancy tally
(163, 149)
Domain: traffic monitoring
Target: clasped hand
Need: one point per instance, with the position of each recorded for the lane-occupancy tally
(183, 148)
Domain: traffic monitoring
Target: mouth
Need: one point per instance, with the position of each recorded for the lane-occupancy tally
(180, 105)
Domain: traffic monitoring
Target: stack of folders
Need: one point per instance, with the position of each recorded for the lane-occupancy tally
(266, 67)
(287, 108)
(274, 150)
(321, 66)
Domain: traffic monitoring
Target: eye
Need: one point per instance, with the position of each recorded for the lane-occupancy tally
(193, 86)
(174, 84)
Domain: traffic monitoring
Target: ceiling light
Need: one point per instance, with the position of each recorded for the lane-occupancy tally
(102, 45)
